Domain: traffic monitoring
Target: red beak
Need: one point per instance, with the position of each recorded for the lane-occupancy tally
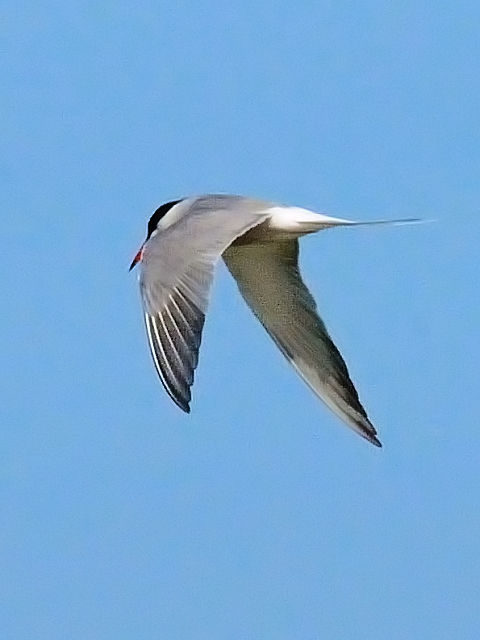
(137, 258)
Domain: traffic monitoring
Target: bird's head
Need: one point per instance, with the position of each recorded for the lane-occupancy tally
(153, 226)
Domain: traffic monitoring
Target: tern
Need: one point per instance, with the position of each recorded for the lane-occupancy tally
(258, 242)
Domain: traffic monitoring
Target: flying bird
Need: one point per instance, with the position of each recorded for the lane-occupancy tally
(258, 242)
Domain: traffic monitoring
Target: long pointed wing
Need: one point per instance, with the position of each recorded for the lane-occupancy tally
(176, 276)
(269, 279)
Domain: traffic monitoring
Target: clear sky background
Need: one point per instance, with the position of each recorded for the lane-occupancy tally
(259, 515)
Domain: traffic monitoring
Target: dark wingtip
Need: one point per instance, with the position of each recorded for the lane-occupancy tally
(182, 404)
(369, 432)
(371, 436)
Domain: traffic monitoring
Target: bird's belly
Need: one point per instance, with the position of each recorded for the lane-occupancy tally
(285, 223)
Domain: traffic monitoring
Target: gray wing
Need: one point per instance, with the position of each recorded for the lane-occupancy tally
(269, 279)
(176, 276)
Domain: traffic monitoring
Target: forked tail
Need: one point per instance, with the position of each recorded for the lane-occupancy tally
(398, 222)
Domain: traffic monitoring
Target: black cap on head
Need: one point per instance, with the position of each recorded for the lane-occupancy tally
(158, 215)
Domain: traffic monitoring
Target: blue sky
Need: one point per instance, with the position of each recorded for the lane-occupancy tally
(259, 515)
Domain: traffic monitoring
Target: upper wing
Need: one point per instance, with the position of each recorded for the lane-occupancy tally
(269, 279)
(176, 277)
